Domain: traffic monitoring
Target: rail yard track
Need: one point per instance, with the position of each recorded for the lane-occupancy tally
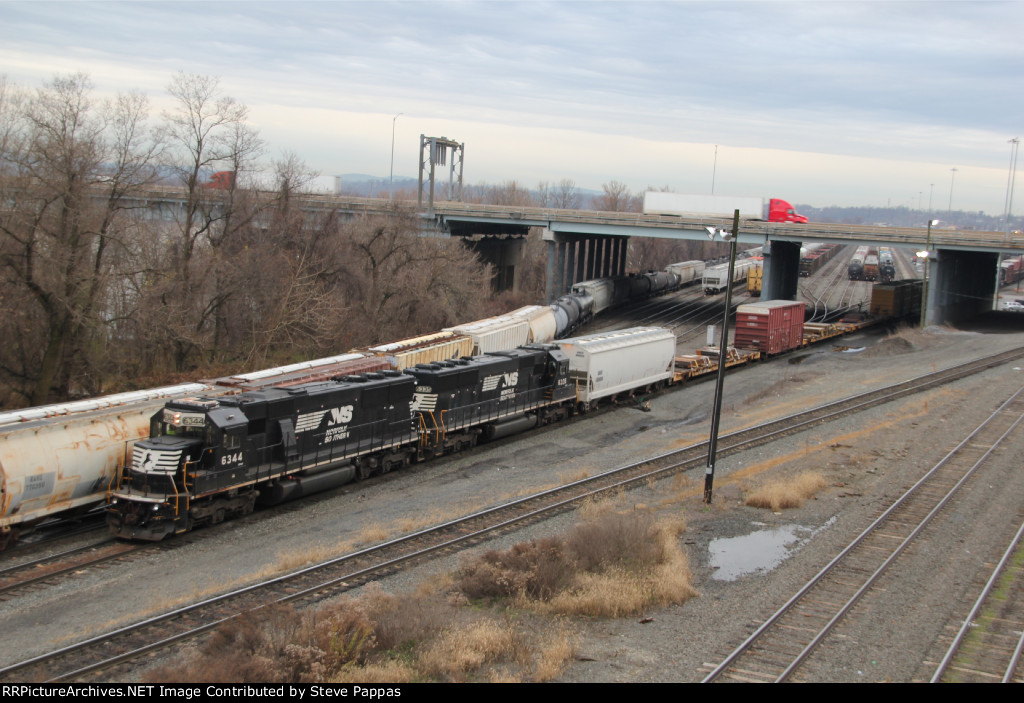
(784, 647)
(987, 648)
(119, 648)
(56, 566)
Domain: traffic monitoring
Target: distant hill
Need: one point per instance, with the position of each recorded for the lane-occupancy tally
(905, 217)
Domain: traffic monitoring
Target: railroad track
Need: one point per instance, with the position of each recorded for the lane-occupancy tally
(114, 649)
(46, 569)
(784, 646)
(987, 648)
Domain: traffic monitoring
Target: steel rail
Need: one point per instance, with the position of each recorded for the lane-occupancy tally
(954, 646)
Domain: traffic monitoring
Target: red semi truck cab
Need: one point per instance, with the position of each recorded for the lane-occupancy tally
(781, 211)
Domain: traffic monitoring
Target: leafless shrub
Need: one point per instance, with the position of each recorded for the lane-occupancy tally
(277, 644)
(610, 566)
(400, 623)
(626, 541)
(538, 569)
(789, 493)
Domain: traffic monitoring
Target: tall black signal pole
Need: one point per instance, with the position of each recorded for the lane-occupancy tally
(723, 346)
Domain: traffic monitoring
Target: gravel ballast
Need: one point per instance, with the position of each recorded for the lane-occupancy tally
(867, 459)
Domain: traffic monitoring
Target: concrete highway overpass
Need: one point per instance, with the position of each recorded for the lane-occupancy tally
(584, 244)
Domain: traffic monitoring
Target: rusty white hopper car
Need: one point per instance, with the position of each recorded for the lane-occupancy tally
(608, 363)
(61, 458)
(543, 324)
(716, 278)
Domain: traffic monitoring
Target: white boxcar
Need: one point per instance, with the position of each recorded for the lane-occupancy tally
(495, 333)
(604, 364)
(688, 271)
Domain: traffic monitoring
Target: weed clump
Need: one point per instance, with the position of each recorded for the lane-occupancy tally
(613, 565)
(789, 493)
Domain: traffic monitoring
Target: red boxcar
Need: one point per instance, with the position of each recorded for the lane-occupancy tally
(772, 326)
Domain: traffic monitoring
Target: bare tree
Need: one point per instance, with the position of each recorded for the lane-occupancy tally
(617, 198)
(563, 195)
(509, 193)
(68, 169)
(397, 284)
(206, 131)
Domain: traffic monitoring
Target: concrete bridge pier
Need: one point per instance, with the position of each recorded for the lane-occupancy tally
(580, 257)
(504, 254)
(961, 285)
(781, 275)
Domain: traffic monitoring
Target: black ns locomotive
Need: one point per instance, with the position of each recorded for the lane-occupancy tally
(207, 459)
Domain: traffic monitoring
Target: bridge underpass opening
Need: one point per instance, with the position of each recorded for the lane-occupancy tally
(962, 285)
(505, 254)
(572, 258)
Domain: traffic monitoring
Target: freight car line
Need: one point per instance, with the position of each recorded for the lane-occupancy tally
(988, 646)
(342, 573)
(805, 621)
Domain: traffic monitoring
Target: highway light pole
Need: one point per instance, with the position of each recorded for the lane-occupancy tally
(927, 255)
(723, 346)
(391, 178)
(951, 180)
(1010, 178)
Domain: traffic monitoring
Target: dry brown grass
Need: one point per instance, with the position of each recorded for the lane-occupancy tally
(373, 533)
(378, 638)
(290, 561)
(787, 493)
(459, 650)
(612, 565)
(555, 653)
(680, 489)
(573, 476)
(592, 508)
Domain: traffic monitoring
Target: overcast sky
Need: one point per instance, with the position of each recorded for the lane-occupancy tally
(825, 103)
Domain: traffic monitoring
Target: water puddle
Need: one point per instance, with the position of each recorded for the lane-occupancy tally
(762, 551)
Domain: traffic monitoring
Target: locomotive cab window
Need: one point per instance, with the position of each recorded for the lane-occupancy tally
(171, 430)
